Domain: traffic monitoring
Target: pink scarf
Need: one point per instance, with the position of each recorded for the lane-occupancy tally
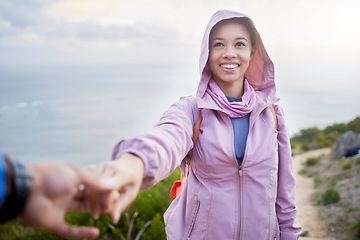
(233, 109)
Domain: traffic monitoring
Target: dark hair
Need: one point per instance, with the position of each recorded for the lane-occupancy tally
(249, 25)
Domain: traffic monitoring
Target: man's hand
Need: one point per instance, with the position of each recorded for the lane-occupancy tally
(59, 187)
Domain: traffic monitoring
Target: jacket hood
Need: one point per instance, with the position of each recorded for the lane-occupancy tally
(260, 73)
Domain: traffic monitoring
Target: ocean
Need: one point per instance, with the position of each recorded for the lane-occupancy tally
(78, 113)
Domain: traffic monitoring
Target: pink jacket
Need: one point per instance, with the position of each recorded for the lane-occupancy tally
(220, 200)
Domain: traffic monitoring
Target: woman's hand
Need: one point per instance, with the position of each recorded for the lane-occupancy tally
(127, 173)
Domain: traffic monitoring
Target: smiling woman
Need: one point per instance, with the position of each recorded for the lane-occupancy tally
(230, 50)
(240, 154)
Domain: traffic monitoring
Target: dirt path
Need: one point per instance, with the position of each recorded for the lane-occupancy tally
(307, 214)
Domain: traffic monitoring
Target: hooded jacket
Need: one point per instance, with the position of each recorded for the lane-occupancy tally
(221, 200)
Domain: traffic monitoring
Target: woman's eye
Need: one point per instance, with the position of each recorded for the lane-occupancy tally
(218, 45)
(240, 44)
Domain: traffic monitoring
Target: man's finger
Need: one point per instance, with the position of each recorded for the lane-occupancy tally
(98, 184)
(69, 231)
(80, 205)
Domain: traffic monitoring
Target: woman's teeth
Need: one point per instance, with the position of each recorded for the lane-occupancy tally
(229, 66)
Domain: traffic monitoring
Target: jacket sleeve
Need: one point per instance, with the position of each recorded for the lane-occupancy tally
(164, 147)
(285, 202)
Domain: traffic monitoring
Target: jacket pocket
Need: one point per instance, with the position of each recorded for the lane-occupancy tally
(193, 217)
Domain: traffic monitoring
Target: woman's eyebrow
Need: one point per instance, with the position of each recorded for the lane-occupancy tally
(221, 39)
(217, 39)
(242, 38)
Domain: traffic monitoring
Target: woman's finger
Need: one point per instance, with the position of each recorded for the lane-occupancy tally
(97, 192)
(127, 196)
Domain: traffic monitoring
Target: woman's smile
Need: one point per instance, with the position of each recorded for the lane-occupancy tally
(230, 66)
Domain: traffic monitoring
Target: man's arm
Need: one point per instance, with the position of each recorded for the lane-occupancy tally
(42, 194)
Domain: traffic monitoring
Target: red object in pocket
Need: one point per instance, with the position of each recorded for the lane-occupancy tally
(177, 187)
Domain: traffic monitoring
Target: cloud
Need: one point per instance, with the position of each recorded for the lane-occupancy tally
(22, 14)
(20, 20)
(54, 31)
(154, 32)
(40, 38)
(5, 30)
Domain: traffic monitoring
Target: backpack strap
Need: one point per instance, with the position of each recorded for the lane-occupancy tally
(177, 187)
(271, 107)
(196, 133)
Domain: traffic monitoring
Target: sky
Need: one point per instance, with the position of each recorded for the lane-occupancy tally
(112, 32)
(314, 44)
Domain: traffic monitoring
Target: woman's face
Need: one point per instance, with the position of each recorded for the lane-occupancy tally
(230, 52)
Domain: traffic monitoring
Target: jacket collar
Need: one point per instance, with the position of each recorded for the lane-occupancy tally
(262, 101)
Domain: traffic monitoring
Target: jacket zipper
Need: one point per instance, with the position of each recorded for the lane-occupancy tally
(240, 202)
(240, 170)
(194, 219)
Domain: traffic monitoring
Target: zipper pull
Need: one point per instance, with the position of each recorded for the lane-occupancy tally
(240, 171)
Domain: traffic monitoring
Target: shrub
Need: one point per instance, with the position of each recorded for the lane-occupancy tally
(337, 127)
(313, 138)
(346, 166)
(304, 147)
(307, 135)
(14, 229)
(292, 145)
(355, 229)
(317, 181)
(312, 161)
(326, 139)
(330, 196)
(334, 180)
(303, 171)
(156, 229)
(304, 233)
(117, 235)
(354, 125)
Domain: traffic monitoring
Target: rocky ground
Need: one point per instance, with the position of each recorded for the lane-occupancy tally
(337, 220)
(307, 214)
